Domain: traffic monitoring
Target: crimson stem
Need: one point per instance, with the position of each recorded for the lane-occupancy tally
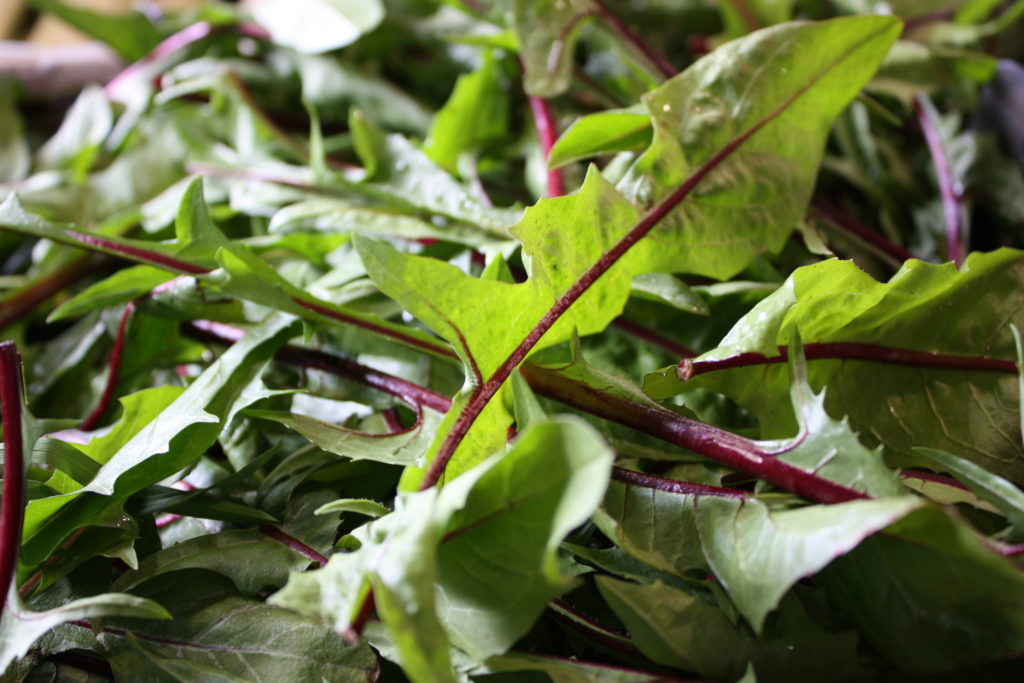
(548, 133)
(848, 223)
(93, 418)
(688, 368)
(12, 508)
(725, 447)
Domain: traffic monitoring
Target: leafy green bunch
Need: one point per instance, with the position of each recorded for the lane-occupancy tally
(563, 340)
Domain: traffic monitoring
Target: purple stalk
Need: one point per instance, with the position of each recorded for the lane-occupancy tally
(93, 418)
(725, 447)
(391, 420)
(951, 209)
(12, 508)
(652, 337)
(634, 39)
(178, 41)
(295, 544)
(24, 300)
(845, 221)
(484, 393)
(133, 253)
(175, 43)
(413, 394)
(875, 353)
(160, 260)
(685, 488)
(932, 477)
(548, 133)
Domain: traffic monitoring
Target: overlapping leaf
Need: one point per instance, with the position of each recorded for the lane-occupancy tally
(968, 313)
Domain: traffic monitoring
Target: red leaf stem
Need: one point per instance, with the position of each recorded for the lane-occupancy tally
(725, 447)
(948, 189)
(932, 477)
(652, 337)
(848, 223)
(175, 43)
(135, 253)
(685, 488)
(876, 353)
(548, 133)
(411, 393)
(626, 32)
(12, 507)
(429, 347)
(24, 300)
(295, 544)
(390, 416)
(93, 418)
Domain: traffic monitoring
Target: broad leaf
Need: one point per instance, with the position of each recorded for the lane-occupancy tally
(243, 639)
(968, 313)
(315, 26)
(730, 147)
(20, 627)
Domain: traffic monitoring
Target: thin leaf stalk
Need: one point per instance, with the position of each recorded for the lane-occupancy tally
(12, 507)
(688, 368)
(15, 306)
(634, 39)
(286, 539)
(948, 187)
(730, 449)
(849, 224)
(107, 397)
(547, 132)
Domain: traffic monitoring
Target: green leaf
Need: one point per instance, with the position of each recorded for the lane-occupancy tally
(989, 487)
(80, 137)
(161, 447)
(677, 629)
(121, 287)
(315, 26)
(191, 423)
(360, 506)
(131, 34)
(548, 31)
(403, 581)
(901, 589)
(827, 447)
(562, 670)
(403, 448)
(498, 566)
(15, 157)
(901, 407)
(614, 130)
(20, 627)
(758, 554)
(475, 114)
(671, 290)
(250, 559)
(241, 638)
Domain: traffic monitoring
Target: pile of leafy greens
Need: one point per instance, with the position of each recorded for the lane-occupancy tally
(568, 340)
